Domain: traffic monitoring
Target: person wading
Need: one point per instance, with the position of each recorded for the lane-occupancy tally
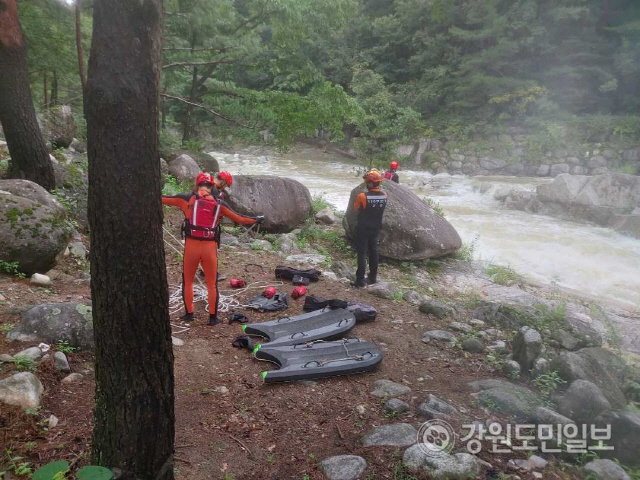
(391, 173)
(203, 213)
(370, 207)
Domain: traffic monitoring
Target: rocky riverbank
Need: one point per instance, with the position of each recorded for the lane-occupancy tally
(462, 344)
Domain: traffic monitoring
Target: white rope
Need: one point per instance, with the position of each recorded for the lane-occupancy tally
(227, 298)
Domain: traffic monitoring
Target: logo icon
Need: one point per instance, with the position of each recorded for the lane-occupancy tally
(436, 438)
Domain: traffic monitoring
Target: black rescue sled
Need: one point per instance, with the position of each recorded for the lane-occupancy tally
(323, 324)
(318, 359)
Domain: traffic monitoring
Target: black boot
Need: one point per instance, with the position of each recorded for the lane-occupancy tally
(188, 317)
(359, 283)
(214, 320)
(371, 280)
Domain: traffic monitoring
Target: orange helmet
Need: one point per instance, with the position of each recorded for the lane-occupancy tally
(373, 176)
(394, 165)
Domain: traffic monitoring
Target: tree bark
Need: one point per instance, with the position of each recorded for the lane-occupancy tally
(29, 155)
(134, 404)
(53, 99)
(46, 93)
(83, 80)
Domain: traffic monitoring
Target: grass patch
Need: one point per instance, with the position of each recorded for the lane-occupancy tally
(173, 186)
(318, 202)
(548, 382)
(433, 204)
(502, 275)
(25, 364)
(11, 268)
(467, 251)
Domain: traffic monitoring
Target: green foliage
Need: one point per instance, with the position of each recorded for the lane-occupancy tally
(13, 464)
(172, 186)
(64, 347)
(11, 268)
(318, 203)
(25, 364)
(52, 471)
(434, 204)
(548, 382)
(502, 275)
(92, 472)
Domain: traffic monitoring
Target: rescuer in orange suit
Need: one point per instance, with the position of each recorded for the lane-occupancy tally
(203, 213)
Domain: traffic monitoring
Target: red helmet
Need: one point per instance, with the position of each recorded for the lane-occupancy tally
(373, 175)
(394, 165)
(204, 177)
(226, 177)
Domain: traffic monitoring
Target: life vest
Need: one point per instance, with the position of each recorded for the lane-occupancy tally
(204, 219)
(389, 174)
(371, 216)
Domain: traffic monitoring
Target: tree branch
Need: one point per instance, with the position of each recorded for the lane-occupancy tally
(184, 100)
(195, 64)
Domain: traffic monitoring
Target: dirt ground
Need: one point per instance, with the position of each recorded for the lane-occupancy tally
(255, 431)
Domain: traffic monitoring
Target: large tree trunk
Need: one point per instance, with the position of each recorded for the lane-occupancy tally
(134, 412)
(83, 80)
(29, 155)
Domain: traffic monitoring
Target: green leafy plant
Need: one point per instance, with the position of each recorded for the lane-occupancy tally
(502, 275)
(318, 202)
(25, 364)
(11, 268)
(64, 347)
(434, 204)
(548, 382)
(467, 251)
(15, 465)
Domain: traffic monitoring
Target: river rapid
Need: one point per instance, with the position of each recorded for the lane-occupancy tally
(590, 259)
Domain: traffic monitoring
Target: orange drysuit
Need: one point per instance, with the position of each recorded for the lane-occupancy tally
(198, 251)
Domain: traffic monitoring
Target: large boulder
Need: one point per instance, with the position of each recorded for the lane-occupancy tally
(28, 189)
(184, 168)
(31, 233)
(596, 365)
(22, 389)
(603, 469)
(69, 322)
(284, 202)
(583, 402)
(506, 398)
(59, 126)
(411, 230)
(527, 346)
(625, 435)
(205, 161)
(563, 189)
(440, 466)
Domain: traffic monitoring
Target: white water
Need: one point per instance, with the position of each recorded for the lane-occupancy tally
(587, 258)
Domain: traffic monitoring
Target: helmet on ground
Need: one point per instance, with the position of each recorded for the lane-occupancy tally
(226, 177)
(373, 175)
(204, 177)
(394, 165)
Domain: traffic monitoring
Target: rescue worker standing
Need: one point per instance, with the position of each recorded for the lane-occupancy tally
(391, 173)
(203, 213)
(370, 207)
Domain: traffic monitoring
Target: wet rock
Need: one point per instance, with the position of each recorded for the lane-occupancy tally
(395, 405)
(559, 168)
(527, 346)
(78, 250)
(625, 435)
(343, 270)
(326, 216)
(306, 259)
(33, 191)
(22, 389)
(34, 353)
(381, 290)
(583, 402)
(73, 378)
(387, 388)
(438, 309)
(472, 345)
(506, 398)
(411, 229)
(565, 339)
(184, 168)
(511, 368)
(285, 202)
(604, 469)
(596, 365)
(412, 297)
(31, 233)
(460, 327)
(60, 362)
(39, 280)
(70, 322)
(443, 466)
(343, 467)
(540, 367)
(439, 336)
(395, 435)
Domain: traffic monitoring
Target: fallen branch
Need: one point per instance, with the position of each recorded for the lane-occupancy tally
(242, 445)
(184, 100)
